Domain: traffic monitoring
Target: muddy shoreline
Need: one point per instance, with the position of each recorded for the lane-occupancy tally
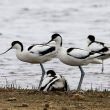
(21, 99)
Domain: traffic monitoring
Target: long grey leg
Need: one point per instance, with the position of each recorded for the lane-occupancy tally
(102, 66)
(42, 77)
(81, 78)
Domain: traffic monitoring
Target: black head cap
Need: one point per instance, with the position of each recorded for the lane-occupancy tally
(91, 38)
(51, 72)
(17, 42)
(55, 35)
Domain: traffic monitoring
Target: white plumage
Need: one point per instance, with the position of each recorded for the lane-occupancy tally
(35, 55)
(95, 47)
(78, 53)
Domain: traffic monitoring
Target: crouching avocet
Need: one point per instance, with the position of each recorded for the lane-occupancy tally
(35, 54)
(53, 82)
(74, 56)
(98, 47)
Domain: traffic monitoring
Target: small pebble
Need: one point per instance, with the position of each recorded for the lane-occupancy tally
(79, 97)
(25, 105)
(45, 109)
(46, 105)
(12, 99)
(4, 109)
(22, 105)
(64, 108)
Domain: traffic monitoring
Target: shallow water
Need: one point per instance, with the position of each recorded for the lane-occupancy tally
(34, 21)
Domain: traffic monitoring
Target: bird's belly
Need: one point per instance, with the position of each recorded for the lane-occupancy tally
(71, 60)
(33, 59)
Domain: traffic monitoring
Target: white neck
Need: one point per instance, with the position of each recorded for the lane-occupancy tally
(88, 41)
(18, 48)
(58, 42)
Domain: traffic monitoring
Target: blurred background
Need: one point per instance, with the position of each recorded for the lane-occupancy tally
(34, 21)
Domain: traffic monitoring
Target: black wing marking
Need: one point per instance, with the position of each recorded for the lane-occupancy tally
(80, 57)
(105, 49)
(70, 49)
(52, 82)
(51, 49)
(42, 88)
(101, 43)
(29, 48)
(90, 44)
(100, 56)
(66, 86)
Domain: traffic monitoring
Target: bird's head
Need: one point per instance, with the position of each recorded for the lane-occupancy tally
(56, 37)
(51, 73)
(91, 38)
(14, 45)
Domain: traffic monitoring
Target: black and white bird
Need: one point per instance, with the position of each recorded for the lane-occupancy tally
(34, 54)
(74, 56)
(54, 82)
(98, 47)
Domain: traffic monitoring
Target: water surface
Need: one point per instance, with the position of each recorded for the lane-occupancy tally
(34, 21)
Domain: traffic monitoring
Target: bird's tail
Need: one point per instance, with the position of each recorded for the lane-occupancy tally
(94, 58)
(96, 61)
(67, 88)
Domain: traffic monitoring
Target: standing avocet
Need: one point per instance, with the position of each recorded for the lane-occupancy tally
(98, 47)
(74, 56)
(35, 54)
(53, 82)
